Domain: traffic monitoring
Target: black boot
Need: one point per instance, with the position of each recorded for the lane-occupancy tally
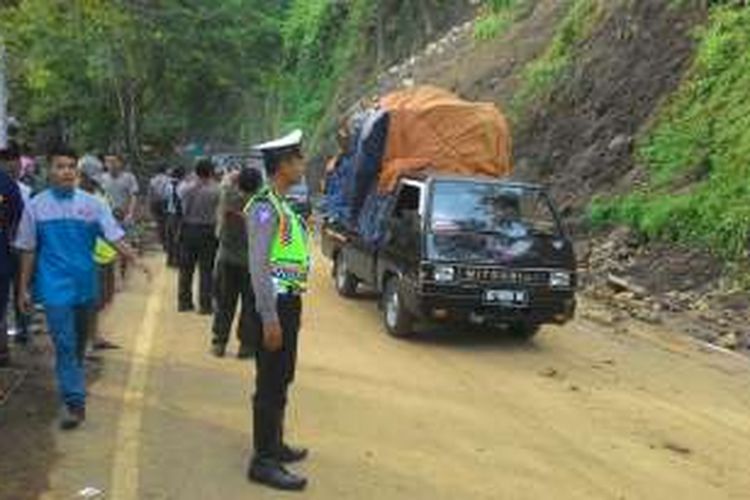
(265, 467)
(270, 472)
(245, 352)
(289, 454)
(218, 349)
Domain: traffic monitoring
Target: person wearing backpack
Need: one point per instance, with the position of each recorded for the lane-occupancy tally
(173, 216)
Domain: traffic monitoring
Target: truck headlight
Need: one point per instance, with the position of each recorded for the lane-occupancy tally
(444, 274)
(560, 279)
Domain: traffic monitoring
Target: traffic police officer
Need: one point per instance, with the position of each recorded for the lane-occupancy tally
(279, 261)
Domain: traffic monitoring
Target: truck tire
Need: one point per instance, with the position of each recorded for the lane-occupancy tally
(524, 330)
(398, 321)
(346, 282)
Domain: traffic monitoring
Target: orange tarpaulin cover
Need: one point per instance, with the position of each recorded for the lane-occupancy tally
(433, 128)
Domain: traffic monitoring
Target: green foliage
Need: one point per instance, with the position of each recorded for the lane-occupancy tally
(679, 4)
(701, 142)
(303, 24)
(499, 5)
(321, 40)
(492, 25)
(129, 74)
(61, 67)
(499, 15)
(126, 74)
(495, 20)
(334, 49)
(539, 77)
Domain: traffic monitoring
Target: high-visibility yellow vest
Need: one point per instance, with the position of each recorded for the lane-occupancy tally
(290, 252)
(104, 253)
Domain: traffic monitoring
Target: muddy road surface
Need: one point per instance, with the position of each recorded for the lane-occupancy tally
(583, 412)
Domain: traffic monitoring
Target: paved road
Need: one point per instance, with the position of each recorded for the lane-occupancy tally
(584, 412)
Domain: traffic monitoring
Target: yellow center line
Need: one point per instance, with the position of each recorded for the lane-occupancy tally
(124, 473)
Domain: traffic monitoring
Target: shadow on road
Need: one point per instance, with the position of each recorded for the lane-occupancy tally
(474, 339)
(452, 335)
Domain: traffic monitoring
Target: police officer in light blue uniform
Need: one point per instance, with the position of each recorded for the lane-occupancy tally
(279, 262)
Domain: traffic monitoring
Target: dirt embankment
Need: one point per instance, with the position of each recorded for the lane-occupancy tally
(580, 140)
(481, 70)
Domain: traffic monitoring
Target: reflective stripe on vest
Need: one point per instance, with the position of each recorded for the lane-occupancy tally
(104, 253)
(290, 255)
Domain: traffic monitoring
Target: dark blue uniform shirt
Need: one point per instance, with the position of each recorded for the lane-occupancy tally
(11, 208)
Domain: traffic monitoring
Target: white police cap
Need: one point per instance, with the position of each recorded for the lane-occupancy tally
(288, 142)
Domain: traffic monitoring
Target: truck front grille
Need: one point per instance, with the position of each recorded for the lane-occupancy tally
(503, 276)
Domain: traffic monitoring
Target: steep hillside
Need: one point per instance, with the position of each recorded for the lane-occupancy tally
(695, 157)
(333, 51)
(634, 113)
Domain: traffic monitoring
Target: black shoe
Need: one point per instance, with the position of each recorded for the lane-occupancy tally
(273, 474)
(71, 417)
(185, 308)
(245, 352)
(102, 345)
(205, 311)
(289, 454)
(219, 350)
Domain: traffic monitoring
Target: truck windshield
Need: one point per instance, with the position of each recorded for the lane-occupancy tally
(491, 208)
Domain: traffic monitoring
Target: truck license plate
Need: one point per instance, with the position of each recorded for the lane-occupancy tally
(514, 298)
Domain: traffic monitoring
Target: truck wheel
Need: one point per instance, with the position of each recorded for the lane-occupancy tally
(398, 321)
(346, 282)
(524, 330)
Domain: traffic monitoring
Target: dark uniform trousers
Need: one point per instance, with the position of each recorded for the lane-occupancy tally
(197, 247)
(232, 285)
(158, 212)
(274, 373)
(22, 319)
(172, 239)
(9, 294)
(4, 291)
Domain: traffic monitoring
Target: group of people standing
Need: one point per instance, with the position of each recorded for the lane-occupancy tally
(201, 223)
(102, 176)
(61, 245)
(58, 248)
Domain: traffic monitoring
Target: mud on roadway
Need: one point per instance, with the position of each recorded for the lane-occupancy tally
(582, 412)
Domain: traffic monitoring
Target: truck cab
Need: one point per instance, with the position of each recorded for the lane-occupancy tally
(462, 249)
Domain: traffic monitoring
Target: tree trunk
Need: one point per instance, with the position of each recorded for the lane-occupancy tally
(122, 108)
(429, 26)
(380, 35)
(132, 139)
(126, 93)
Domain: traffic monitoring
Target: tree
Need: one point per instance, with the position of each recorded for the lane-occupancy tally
(124, 73)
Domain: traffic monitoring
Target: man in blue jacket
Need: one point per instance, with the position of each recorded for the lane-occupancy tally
(56, 237)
